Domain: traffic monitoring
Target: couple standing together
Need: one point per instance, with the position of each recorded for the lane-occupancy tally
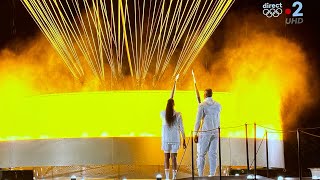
(208, 116)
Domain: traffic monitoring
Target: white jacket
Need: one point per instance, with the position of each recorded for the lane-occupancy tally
(209, 111)
(172, 134)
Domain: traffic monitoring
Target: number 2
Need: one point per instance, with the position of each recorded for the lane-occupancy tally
(297, 12)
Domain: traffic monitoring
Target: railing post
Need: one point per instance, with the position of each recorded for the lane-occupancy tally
(267, 154)
(220, 153)
(247, 149)
(299, 154)
(255, 151)
(192, 163)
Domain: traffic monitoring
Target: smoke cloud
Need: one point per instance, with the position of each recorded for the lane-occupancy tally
(265, 72)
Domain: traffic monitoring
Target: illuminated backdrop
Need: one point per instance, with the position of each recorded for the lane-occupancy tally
(121, 114)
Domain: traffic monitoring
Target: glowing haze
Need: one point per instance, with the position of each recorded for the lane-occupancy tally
(260, 80)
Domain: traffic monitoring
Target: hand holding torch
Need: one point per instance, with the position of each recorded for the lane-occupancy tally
(196, 88)
(174, 86)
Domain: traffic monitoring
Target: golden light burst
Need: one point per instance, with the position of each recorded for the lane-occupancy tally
(142, 33)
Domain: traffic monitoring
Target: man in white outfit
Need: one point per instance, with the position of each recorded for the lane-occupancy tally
(209, 114)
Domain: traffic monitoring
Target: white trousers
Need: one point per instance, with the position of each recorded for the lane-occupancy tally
(207, 143)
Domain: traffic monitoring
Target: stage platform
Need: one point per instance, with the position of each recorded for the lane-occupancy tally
(123, 151)
(116, 157)
(112, 173)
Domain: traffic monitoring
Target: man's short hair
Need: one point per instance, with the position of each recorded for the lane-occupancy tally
(208, 92)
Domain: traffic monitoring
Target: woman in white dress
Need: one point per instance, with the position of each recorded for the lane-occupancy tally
(172, 126)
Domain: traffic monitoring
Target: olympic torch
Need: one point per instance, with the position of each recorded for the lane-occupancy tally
(174, 86)
(196, 88)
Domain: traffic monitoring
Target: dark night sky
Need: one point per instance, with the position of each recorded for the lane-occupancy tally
(307, 34)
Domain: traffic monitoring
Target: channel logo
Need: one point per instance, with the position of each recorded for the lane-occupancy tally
(295, 12)
(272, 10)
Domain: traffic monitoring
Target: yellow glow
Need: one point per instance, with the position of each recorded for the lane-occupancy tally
(267, 82)
(120, 113)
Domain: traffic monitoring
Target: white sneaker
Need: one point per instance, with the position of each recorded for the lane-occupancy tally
(174, 174)
(210, 175)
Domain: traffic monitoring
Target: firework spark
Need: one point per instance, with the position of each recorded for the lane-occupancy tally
(144, 33)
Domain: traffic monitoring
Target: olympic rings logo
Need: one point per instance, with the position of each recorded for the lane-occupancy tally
(273, 12)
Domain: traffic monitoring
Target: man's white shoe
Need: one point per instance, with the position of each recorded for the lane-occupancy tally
(210, 175)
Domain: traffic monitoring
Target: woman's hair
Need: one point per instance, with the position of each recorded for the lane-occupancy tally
(169, 112)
